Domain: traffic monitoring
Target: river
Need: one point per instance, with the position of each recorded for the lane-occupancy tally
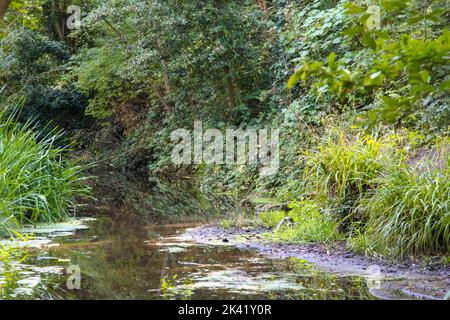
(128, 254)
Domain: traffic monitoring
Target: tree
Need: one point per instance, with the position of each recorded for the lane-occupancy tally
(188, 57)
(3, 7)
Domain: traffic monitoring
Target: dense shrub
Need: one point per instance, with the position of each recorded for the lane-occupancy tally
(31, 66)
(272, 218)
(305, 222)
(310, 223)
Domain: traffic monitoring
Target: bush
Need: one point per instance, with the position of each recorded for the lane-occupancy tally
(62, 107)
(307, 223)
(36, 184)
(31, 66)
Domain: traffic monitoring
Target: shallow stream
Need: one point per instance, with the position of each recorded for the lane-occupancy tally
(143, 258)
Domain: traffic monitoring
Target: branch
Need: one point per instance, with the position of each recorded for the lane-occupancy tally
(116, 31)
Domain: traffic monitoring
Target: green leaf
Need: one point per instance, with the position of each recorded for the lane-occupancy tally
(353, 31)
(420, 88)
(369, 40)
(425, 76)
(294, 79)
(395, 5)
(445, 85)
(353, 9)
(332, 61)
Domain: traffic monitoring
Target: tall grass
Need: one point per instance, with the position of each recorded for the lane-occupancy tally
(345, 166)
(409, 213)
(389, 201)
(36, 183)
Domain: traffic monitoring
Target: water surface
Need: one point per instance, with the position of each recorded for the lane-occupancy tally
(135, 261)
(131, 251)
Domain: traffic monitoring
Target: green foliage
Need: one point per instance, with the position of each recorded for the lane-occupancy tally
(147, 75)
(409, 212)
(30, 66)
(312, 30)
(411, 68)
(227, 64)
(310, 224)
(272, 218)
(238, 221)
(345, 166)
(22, 13)
(181, 56)
(357, 242)
(171, 291)
(36, 184)
(146, 68)
(284, 186)
(98, 76)
(313, 27)
(9, 271)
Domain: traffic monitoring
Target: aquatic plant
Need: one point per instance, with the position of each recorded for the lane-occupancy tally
(172, 288)
(37, 181)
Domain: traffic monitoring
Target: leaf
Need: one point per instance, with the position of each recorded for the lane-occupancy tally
(369, 40)
(445, 85)
(294, 79)
(353, 9)
(332, 60)
(353, 31)
(425, 76)
(419, 88)
(395, 5)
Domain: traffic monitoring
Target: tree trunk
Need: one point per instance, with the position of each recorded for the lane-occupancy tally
(165, 70)
(3, 7)
(231, 88)
(55, 15)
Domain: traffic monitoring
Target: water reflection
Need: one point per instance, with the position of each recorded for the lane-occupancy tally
(148, 262)
(132, 252)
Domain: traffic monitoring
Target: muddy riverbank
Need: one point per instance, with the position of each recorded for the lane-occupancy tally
(413, 278)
